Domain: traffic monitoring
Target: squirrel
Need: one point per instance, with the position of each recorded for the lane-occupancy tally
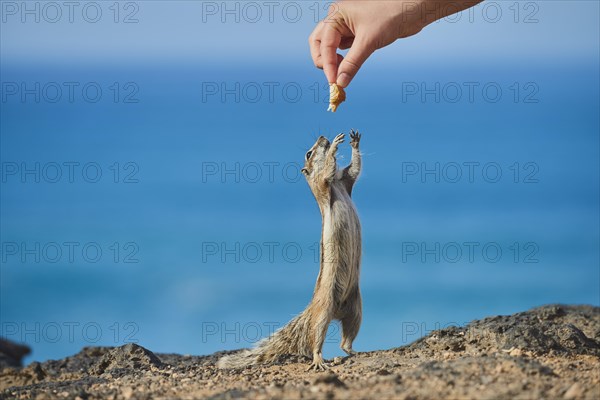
(336, 295)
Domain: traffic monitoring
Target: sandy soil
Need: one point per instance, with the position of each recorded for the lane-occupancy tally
(550, 352)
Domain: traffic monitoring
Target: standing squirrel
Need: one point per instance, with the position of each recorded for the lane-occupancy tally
(336, 295)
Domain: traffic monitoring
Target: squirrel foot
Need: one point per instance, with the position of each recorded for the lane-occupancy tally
(318, 364)
(350, 352)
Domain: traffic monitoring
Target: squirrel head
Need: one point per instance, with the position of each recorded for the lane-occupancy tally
(314, 160)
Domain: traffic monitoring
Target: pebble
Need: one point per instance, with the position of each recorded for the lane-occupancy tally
(127, 392)
(516, 353)
(481, 371)
(574, 391)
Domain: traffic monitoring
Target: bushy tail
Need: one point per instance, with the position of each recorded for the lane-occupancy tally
(293, 339)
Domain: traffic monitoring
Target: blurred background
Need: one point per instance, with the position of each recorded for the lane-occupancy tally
(150, 185)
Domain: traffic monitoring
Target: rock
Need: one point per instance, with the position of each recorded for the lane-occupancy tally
(574, 392)
(535, 354)
(127, 392)
(129, 356)
(36, 371)
(337, 361)
(548, 329)
(11, 354)
(329, 378)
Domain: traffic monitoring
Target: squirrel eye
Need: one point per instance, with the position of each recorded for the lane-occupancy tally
(308, 155)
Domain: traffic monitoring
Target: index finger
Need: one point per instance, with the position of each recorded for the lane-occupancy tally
(330, 41)
(314, 41)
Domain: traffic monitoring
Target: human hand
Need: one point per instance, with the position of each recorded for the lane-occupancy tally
(365, 26)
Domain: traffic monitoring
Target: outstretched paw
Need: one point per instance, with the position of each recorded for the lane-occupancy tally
(336, 142)
(354, 138)
(338, 139)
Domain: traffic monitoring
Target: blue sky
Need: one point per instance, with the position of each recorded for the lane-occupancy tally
(275, 33)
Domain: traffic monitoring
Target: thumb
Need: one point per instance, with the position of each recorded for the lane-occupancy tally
(359, 52)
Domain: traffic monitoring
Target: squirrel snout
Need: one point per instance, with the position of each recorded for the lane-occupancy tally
(323, 141)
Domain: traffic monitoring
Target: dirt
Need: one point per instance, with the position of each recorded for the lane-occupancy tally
(550, 352)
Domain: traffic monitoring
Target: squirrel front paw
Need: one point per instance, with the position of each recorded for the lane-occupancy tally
(354, 138)
(336, 142)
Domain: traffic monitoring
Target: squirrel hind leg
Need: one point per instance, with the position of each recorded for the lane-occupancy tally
(351, 323)
(350, 326)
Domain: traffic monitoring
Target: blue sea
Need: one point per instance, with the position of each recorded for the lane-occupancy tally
(161, 203)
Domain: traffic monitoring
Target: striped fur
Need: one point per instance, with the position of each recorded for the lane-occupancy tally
(337, 294)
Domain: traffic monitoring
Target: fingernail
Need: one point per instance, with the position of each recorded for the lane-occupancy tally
(344, 79)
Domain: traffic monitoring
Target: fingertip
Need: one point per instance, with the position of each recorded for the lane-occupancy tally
(331, 72)
(329, 43)
(330, 76)
(344, 79)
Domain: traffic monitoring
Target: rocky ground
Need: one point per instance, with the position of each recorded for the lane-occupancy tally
(550, 352)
